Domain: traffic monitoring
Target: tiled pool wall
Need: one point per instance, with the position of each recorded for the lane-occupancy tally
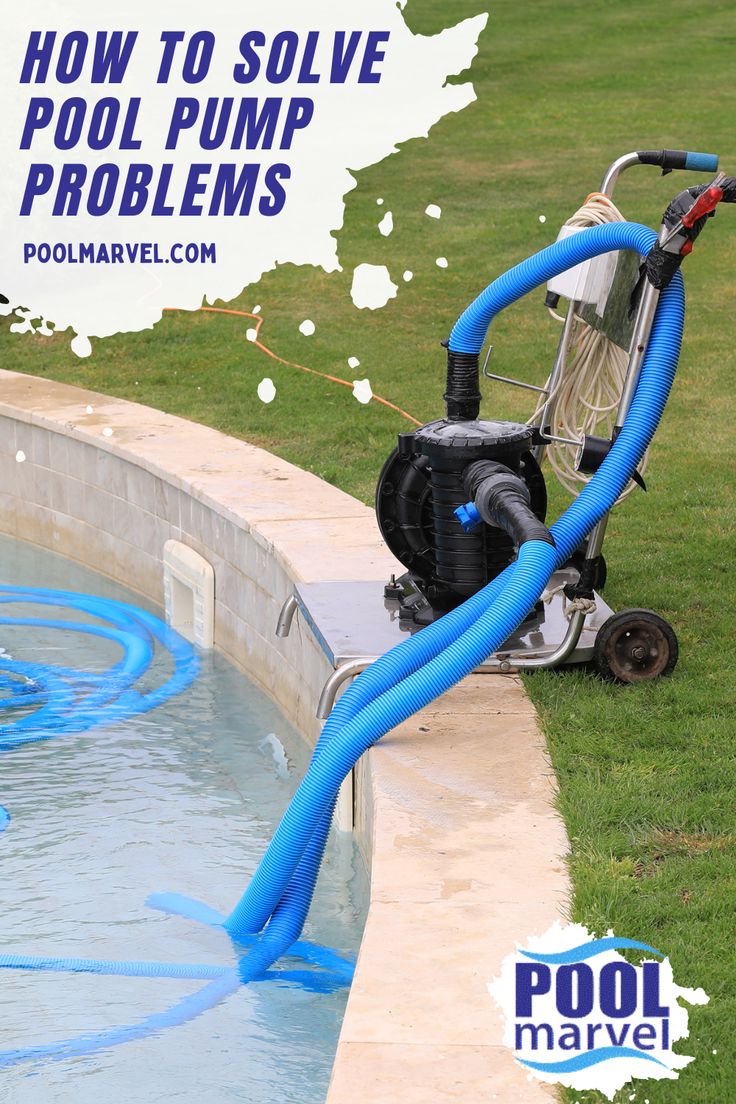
(454, 811)
(112, 508)
(108, 513)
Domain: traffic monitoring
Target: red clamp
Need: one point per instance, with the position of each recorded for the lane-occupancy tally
(703, 205)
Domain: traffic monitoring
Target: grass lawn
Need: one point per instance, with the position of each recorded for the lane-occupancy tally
(647, 774)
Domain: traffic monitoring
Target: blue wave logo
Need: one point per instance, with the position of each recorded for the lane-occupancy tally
(580, 1015)
(590, 950)
(591, 1058)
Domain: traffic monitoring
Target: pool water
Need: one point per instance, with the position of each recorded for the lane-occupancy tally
(184, 798)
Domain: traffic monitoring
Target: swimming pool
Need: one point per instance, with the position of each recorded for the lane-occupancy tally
(183, 798)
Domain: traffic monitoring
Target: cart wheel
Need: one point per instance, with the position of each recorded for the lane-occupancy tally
(634, 645)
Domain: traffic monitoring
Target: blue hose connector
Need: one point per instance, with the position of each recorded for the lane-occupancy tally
(468, 516)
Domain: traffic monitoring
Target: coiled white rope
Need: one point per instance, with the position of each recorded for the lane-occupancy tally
(589, 387)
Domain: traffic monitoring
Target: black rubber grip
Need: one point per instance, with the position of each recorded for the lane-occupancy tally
(679, 159)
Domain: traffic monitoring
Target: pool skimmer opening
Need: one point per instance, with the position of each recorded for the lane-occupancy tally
(189, 593)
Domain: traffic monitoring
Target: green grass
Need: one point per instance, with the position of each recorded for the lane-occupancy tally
(647, 774)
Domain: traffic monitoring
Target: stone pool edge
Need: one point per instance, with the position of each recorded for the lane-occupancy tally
(454, 810)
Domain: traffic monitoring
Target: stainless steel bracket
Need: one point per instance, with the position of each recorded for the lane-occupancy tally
(354, 626)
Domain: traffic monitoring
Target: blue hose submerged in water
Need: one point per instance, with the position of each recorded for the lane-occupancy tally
(48, 700)
(54, 700)
(274, 906)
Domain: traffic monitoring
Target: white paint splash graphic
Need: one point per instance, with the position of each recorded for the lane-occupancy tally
(354, 125)
(20, 456)
(89, 409)
(386, 225)
(251, 334)
(542, 218)
(353, 362)
(408, 275)
(362, 390)
(107, 432)
(433, 210)
(43, 328)
(25, 326)
(266, 390)
(372, 287)
(442, 262)
(307, 327)
(81, 346)
(556, 1034)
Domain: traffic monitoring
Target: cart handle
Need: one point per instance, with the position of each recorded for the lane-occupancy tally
(666, 159)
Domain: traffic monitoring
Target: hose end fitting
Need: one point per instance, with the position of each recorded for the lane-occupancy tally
(462, 393)
(501, 499)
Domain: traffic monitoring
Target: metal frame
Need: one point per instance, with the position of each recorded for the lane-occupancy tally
(350, 643)
(642, 327)
(500, 663)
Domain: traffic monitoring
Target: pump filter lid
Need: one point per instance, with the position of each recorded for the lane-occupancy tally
(473, 440)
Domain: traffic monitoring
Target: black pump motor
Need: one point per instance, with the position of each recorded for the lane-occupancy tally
(419, 489)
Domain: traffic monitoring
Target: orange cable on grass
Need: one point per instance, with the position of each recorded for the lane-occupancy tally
(290, 363)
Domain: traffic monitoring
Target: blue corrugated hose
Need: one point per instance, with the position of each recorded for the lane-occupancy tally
(47, 700)
(427, 663)
(275, 904)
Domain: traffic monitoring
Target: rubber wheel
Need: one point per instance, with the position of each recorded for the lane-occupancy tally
(635, 645)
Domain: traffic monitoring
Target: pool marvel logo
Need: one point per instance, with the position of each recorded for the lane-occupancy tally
(578, 1014)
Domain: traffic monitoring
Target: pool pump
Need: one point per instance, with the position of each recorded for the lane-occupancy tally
(455, 498)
